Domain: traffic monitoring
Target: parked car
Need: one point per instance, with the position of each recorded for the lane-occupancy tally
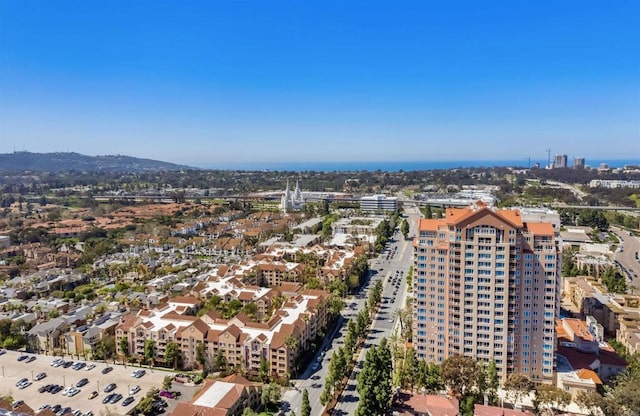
(3, 351)
(128, 401)
(110, 387)
(24, 385)
(17, 403)
(21, 381)
(134, 390)
(115, 399)
(90, 367)
(30, 359)
(79, 366)
(82, 382)
(40, 376)
(106, 370)
(107, 398)
(167, 394)
(93, 395)
(22, 357)
(67, 364)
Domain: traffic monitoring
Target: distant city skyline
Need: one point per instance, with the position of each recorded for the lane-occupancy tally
(224, 83)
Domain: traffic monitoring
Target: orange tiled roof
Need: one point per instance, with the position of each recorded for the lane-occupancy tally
(540, 228)
(589, 374)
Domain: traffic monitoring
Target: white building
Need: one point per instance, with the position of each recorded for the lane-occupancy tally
(377, 203)
(291, 201)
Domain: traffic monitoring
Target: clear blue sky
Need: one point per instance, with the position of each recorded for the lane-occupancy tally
(205, 82)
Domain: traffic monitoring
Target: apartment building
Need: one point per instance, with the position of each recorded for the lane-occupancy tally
(242, 341)
(486, 285)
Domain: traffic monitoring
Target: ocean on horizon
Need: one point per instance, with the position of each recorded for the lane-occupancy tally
(394, 166)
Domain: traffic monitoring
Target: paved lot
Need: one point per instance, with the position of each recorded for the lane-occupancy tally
(12, 370)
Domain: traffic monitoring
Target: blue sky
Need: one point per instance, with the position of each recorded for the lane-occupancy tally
(206, 82)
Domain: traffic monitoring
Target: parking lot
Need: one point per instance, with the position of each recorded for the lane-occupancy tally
(11, 371)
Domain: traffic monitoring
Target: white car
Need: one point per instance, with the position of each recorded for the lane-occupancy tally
(134, 390)
(24, 385)
(90, 367)
(73, 391)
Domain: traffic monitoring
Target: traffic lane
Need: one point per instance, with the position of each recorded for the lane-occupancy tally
(627, 257)
(12, 370)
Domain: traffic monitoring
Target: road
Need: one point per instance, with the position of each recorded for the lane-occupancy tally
(627, 256)
(574, 189)
(383, 325)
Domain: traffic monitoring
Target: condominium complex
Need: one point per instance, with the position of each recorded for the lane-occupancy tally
(243, 341)
(487, 286)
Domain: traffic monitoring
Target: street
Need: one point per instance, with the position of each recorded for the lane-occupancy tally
(627, 256)
(400, 253)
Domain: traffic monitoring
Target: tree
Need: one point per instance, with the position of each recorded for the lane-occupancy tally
(404, 228)
(548, 398)
(145, 407)
(374, 382)
(201, 354)
(593, 403)
(305, 409)
(167, 382)
(149, 351)
(172, 354)
(517, 386)
(492, 382)
(461, 374)
(220, 363)
(264, 370)
(270, 395)
(124, 349)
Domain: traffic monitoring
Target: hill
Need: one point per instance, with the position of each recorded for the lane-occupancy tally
(57, 162)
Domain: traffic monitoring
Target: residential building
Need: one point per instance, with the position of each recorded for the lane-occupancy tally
(582, 351)
(225, 397)
(487, 285)
(379, 203)
(578, 163)
(408, 404)
(485, 410)
(560, 161)
(243, 341)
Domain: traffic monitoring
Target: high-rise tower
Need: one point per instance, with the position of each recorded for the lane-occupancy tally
(487, 285)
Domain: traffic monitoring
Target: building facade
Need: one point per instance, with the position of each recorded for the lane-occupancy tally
(376, 203)
(487, 285)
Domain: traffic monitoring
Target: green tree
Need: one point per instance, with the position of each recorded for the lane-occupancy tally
(461, 374)
(305, 408)
(149, 351)
(493, 382)
(172, 354)
(270, 395)
(374, 382)
(404, 228)
(548, 398)
(124, 349)
(517, 386)
(264, 370)
(167, 382)
(201, 354)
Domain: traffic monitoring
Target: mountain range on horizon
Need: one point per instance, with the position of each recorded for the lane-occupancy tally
(71, 161)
